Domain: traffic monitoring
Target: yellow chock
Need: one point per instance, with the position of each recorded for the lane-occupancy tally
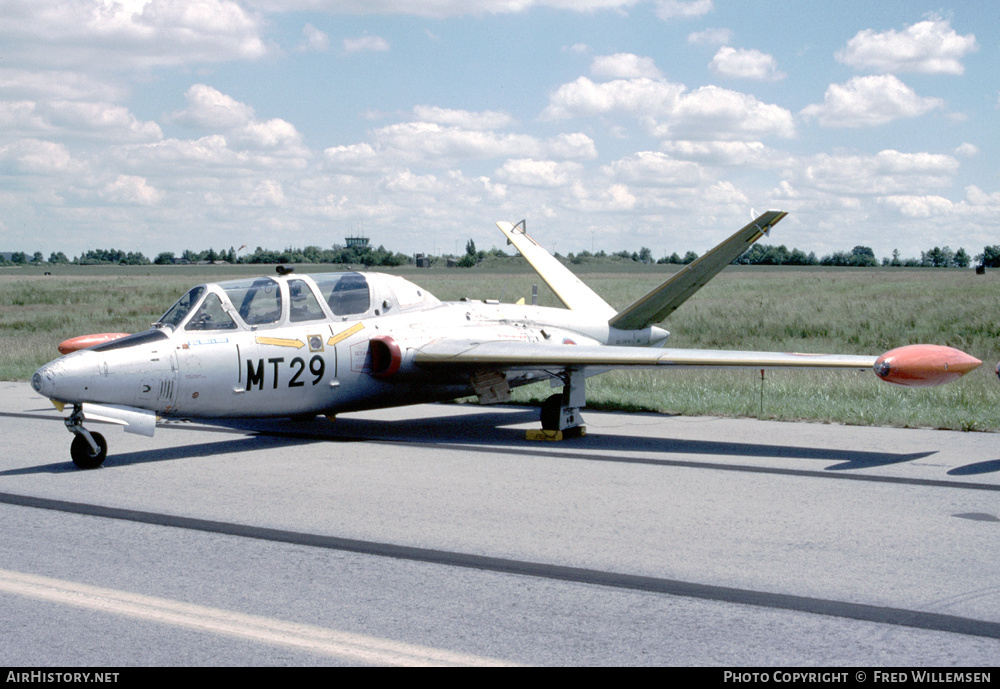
(555, 436)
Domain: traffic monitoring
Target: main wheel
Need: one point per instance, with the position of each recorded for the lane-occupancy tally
(83, 456)
(551, 412)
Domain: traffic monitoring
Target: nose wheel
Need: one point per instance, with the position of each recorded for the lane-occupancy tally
(89, 449)
(86, 457)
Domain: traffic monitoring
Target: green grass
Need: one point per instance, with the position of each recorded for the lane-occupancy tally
(850, 311)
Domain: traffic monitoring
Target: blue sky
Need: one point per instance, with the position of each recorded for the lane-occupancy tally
(162, 125)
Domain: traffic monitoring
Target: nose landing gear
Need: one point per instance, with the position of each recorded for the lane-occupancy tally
(89, 449)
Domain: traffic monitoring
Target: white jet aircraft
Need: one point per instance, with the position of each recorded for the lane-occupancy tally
(301, 345)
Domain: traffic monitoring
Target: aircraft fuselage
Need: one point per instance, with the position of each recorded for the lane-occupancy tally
(225, 365)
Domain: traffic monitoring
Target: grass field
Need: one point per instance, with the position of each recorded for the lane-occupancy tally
(811, 309)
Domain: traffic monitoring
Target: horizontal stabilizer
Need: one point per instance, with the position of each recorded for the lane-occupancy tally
(663, 300)
(570, 289)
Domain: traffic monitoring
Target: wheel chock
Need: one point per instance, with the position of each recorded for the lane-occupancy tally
(555, 436)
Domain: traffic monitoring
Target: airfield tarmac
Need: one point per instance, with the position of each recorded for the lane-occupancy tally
(438, 534)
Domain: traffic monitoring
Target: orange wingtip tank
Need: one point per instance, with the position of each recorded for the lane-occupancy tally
(84, 341)
(923, 365)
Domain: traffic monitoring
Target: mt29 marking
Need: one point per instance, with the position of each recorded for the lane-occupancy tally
(297, 366)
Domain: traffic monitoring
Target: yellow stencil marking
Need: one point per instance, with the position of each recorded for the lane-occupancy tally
(280, 342)
(357, 327)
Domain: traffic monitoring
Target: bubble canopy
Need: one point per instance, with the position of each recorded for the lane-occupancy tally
(266, 302)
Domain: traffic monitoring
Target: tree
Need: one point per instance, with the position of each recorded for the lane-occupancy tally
(859, 256)
(863, 256)
(937, 257)
(989, 258)
(801, 258)
(471, 257)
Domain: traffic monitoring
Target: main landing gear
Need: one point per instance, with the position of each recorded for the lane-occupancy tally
(89, 449)
(561, 416)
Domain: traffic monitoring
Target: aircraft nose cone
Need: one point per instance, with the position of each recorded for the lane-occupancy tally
(42, 381)
(66, 379)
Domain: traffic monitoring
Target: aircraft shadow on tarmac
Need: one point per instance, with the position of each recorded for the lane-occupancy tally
(492, 430)
(987, 467)
(246, 443)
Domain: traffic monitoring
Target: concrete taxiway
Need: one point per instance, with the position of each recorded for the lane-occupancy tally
(438, 534)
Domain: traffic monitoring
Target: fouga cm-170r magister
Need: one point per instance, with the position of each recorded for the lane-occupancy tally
(301, 345)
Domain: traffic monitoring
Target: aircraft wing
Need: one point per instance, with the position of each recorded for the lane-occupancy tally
(917, 365)
(664, 300)
(524, 356)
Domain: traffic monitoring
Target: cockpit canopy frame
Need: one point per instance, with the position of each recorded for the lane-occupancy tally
(266, 302)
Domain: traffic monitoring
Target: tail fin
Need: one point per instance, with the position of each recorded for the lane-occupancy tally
(570, 290)
(663, 300)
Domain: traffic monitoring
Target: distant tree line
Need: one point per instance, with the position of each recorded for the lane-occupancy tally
(863, 256)
(363, 255)
(643, 255)
(758, 254)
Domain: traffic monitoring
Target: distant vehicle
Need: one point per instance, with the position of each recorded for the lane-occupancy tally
(301, 345)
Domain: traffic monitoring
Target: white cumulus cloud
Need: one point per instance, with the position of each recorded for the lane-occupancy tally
(624, 66)
(745, 64)
(641, 97)
(668, 111)
(931, 47)
(869, 101)
(486, 119)
(539, 173)
(133, 33)
(668, 9)
(715, 113)
(710, 37)
(211, 109)
(131, 190)
(886, 172)
(652, 169)
(437, 8)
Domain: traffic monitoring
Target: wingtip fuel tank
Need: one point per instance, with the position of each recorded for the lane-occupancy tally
(924, 365)
(84, 341)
